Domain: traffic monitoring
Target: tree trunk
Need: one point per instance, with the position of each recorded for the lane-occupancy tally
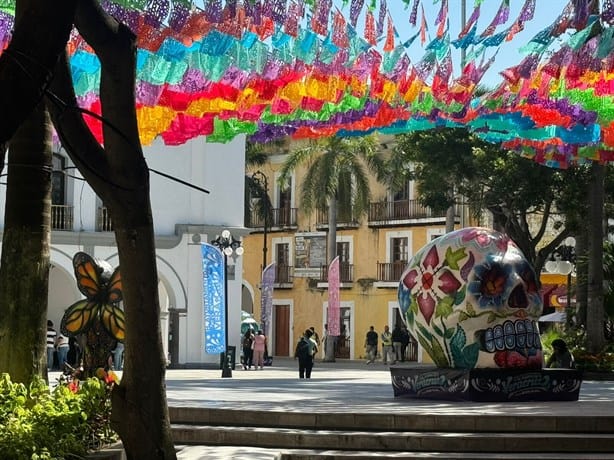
(595, 314)
(24, 269)
(581, 276)
(331, 253)
(450, 218)
(119, 175)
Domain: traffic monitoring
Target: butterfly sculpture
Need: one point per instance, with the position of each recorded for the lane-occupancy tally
(102, 289)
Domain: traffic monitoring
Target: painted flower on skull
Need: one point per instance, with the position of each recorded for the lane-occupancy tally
(471, 300)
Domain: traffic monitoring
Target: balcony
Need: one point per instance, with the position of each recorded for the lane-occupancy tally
(61, 217)
(280, 219)
(390, 272)
(103, 220)
(383, 213)
(284, 276)
(344, 220)
(346, 273)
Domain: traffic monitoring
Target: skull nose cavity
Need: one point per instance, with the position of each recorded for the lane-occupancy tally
(518, 298)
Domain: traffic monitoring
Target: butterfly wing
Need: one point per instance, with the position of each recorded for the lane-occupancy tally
(113, 320)
(114, 287)
(78, 317)
(87, 274)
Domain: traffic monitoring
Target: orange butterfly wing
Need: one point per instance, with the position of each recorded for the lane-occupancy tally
(87, 274)
(114, 287)
(113, 320)
(78, 317)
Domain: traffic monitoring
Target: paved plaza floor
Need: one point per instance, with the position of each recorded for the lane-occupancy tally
(343, 386)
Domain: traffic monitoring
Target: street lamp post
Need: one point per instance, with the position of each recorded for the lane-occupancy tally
(563, 263)
(229, 246)
(260, 179)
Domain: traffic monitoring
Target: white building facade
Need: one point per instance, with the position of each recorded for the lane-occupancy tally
(184, 217)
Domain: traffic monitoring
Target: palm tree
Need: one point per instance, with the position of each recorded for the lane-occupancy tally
(337, 179)
(255, 156)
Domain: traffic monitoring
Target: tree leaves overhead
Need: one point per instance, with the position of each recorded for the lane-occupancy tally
(522, 195)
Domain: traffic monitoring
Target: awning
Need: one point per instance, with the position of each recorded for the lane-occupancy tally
(556, 317)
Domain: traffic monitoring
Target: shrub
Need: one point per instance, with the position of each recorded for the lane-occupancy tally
(36, 423)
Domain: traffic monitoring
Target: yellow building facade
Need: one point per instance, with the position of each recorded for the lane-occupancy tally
(373, 250)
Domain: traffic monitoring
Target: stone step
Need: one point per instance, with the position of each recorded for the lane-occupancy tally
(360, 455)
(185, 452)
(382, 421)
(402, 441)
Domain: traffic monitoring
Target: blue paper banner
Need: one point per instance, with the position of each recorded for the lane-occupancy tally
(214, 299)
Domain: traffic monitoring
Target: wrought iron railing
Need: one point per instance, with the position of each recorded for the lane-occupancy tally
(103, 220)
(390, 271)
(344, 219)
(284, 274)
(279, 218)
(62, 217)
(384, 211)
(346, 273)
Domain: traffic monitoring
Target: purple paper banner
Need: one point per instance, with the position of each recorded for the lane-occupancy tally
(266, 298)
(334, 307)
(214, 299)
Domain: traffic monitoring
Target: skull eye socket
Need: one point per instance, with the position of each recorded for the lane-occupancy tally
(528, 276)
(493, 281)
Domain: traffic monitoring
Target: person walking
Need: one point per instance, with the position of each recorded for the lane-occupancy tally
(259, 346)
(62, 346)
(397, 343)
(51, 338)
(306, 349)
(371, 345)
(386, 337)
(405, 338)
(118, 356)
(248, 353)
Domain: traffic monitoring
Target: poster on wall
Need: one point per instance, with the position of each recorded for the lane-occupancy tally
(310, 251)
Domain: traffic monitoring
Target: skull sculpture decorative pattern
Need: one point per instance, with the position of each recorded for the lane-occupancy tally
(470, 297)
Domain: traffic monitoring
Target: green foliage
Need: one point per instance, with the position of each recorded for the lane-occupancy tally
(337, 168)
(36, 423)
(517, 191)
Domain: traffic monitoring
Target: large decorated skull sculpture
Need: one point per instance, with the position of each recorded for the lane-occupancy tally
(470, 297)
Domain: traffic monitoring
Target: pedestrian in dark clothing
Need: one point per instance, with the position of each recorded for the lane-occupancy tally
(248, 352)
(561, 356)
(404, 343)
(397, 343)
(306, 349)
(371, 345)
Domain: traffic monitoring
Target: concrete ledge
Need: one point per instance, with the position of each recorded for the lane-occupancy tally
(112, 452)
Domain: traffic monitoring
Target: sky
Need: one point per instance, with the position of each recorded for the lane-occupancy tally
(546, 12)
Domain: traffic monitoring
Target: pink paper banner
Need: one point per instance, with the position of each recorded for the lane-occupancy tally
(334, 306)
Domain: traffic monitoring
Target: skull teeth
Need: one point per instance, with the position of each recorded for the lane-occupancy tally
(510, 335)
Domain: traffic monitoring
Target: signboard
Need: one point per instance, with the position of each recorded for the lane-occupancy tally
(310, 251)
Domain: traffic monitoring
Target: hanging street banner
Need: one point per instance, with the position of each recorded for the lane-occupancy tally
(266, 298)
(334, 306)
(214, 299)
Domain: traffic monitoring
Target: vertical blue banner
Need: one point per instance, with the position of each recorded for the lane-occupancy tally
(214, 299)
